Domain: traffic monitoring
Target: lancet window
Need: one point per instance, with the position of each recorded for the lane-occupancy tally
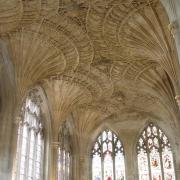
(30, 145)
(108, 158)
(64, 154)
(155, 157)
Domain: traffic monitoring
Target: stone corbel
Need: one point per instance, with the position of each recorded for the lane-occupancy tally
(178, 100)
(173, 28)
(1, 66)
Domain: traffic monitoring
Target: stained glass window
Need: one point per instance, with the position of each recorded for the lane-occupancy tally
(29, 155)
(108, 158)
(155, 158)
(64, 154)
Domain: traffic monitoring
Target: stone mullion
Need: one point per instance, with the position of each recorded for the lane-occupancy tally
(42, 155)
(19, 152)
(70, 166)
(27, 152)
(19, 122)
(34, 147)
(66, 166)
(34, 155)
(27, 144)
(62, 163)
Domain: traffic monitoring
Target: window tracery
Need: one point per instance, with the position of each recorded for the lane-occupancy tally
(155, 157)
(30, 144)
(108, 158)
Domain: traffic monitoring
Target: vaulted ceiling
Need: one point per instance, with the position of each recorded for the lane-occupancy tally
(99, 59)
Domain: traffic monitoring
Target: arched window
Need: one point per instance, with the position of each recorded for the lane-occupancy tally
(108, 158)
(64, 154)
(155, 158)
(30, 145)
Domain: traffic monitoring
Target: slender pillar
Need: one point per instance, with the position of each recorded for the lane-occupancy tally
(83, 163)
(54, 160)
(177, 159)
(131, 163)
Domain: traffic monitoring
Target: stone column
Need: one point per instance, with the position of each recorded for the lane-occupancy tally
(81, 163)
(177, 158)
(177, 169)
(83, 166)
(75, 166)
(5, 147)
(6, 115)
(178, 173)
(54, 158)
(131, 164)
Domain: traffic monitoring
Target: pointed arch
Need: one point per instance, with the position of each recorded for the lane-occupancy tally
(108, 157)
(30, 140)
(154, 154)
(33, 137)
